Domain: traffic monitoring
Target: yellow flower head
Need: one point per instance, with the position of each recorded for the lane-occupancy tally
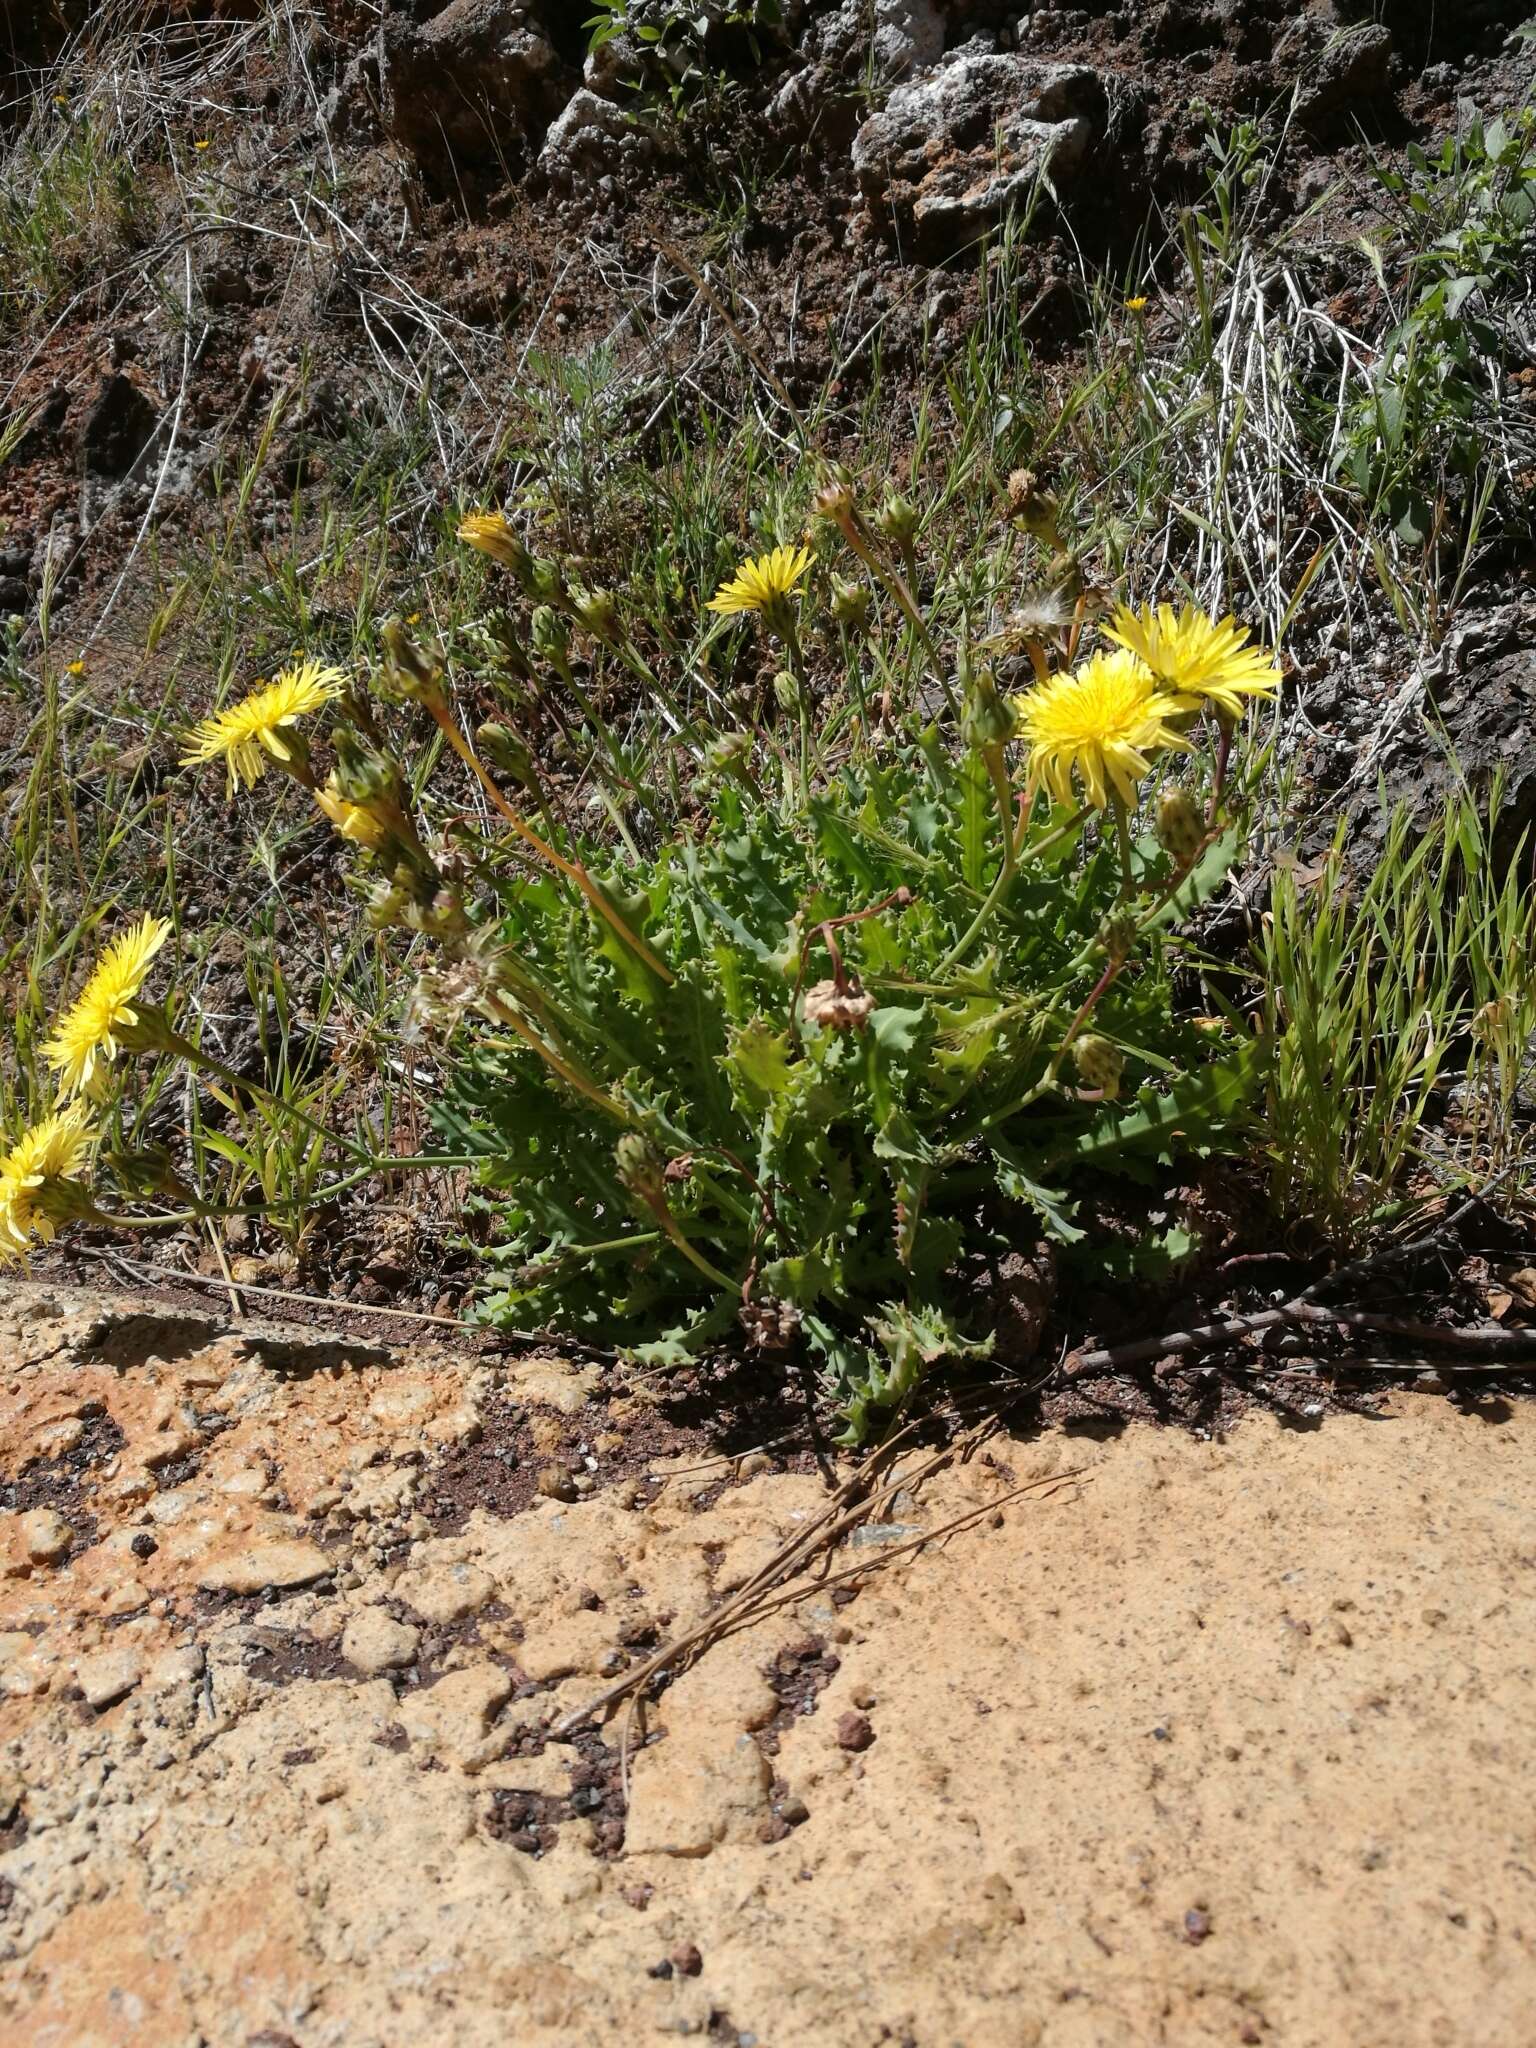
(492, 535)
(245, 735)
(43, 1157)
(763, 585)
(85, 1037)
(1137, 305)
(1101, 722)
(352, 821)
(1195, 657)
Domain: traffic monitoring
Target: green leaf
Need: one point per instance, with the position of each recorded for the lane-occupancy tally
(1185, 1117)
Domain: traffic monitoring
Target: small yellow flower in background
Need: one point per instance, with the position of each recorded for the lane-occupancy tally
(248, 736)
(352, 821)
(1136, 305)
(490, 533)
(201, 142)
(75, 668)
(1195, 657)
(43, 1158)
(85, 1036)
(1102, 722)
(763, 584)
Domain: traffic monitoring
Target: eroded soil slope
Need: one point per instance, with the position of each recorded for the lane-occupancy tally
(1218, 1741)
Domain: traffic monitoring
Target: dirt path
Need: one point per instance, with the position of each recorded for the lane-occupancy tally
(1222, 1742)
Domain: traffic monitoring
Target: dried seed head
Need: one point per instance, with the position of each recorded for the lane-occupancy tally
(770, 1325)
(834, 1008)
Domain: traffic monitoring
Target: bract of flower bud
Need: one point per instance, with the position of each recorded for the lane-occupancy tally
(504, 750)
(729, 750)
(835, 500)
(1118, 936)
(551, 636)
(640, 1167)
(986, 720)
(412, 672)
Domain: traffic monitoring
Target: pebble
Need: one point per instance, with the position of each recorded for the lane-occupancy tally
(266, 1564)
(854, 1731)
(107, 1676)
(374, 1641)
(686, 1960)
(47, 1535)
(558, 1482)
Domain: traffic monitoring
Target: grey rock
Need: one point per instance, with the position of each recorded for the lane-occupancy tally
(590, 140)
(902, 36)
(959, 145)
(1351, 67)
(473, 89)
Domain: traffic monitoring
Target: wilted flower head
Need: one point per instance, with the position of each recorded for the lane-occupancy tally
(86, 1037)
(249, 736)
(764, 584)
(838, 1007)
(35, 1177)
(1100, 723)
(1193, 656)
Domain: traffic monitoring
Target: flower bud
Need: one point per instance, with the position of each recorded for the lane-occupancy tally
(986, 721)
(835, 500)
(1099, 1064)
(640, 1167)
(787, 693)
(411, 672)
(504, 750)
(1118, 936)
(896, 521)
(728, 752)
(850, 603)
(1180, 828)
(596, 612)
(551, 636)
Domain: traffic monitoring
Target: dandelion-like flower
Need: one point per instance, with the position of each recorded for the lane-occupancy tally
(353, 821)
(763, 585)
(1197, 658)
(248, 736)
(34, 1173)
(85, 1038)
(1101, 723)
(490, 533)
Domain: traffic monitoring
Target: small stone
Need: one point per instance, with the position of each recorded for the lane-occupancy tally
(374, 1641)
(854, 1731)
(558, 1482)
(661, 1969)
(107, 1676)
(444, 1594)
(1197, 1925)
(686, 1960)
(264, 1565)
(143, 1545)
(47, 1535)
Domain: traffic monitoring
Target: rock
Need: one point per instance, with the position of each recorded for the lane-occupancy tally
(47, 1535)
(955, 148)
(591, 140)
(264, 1565)
(904, 35)
(558, 1482)
(108, 1676)
(555, 1383)
(455, 1714)
(173, 1669)
(686, 1960)
(1350, 68)
(854, 1731)
(572, 1642)
(473, 89)
(374, 1641)
(118, 430)
(444, 1594)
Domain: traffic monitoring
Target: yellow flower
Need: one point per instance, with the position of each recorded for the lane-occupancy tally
(1194, 656)
(1136, 305)
(1102, 722)
(201, 142)
(491, 534)
(86, 1035)
(352, 821)
(75, 668)
(32, 1172)
(763, 585)
(246, 734)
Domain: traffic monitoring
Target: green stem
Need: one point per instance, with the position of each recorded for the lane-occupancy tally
(963, 945)
(195, 1056)
(1123, 840)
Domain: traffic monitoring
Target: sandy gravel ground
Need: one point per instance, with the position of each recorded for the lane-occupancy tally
(1220, 1742)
